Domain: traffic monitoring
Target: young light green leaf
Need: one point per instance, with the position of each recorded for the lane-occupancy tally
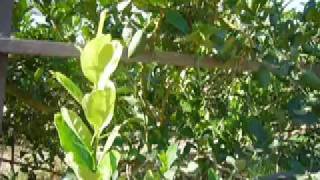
(95, 56)
(167, 158)
(107, 167)
(112, 136)
(172, 154)
(78, 156)
(37, 75)
(164, 162)
(77, 126)
(98, 107)
(135, 41)
(69, 85)
(111, 66)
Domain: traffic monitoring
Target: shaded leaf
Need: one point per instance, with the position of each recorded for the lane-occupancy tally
(177, 20)
(300, 113)
(263, 77)
(310, 79)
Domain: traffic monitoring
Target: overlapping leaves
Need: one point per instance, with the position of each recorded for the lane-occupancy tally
(99, 59)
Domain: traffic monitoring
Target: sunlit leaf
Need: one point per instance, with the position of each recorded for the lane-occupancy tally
(77, 126)
(172, 154)
(112, 136)
(135, 41)
(107, 167)
(70, 86)
(38, 73)
(95, 56)
(78, 157)
(111, 65)
(98, 107)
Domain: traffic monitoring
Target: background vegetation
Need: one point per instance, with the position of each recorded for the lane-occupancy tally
(239, 122)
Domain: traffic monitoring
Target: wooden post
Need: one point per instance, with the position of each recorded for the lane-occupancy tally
(6, 9)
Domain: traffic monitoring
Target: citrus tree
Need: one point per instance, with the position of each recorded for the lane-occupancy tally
(256, 102)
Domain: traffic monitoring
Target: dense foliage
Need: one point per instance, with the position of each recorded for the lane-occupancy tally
(256, 115)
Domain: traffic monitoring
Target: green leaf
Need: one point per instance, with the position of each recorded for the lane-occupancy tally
(167, 158)
(151, 176)
(112, 136)
(164, 162)
(296, 167)
(135, 41)
(78, 127)
(107, 167)
(78, 157)
(241, 164)
(38, 73)
(172, 154)
(177, 20)
(299, 112)
(95, 56)
(98, 107)
(68, 84)
(310, 79)
(258, 132)
(263, 77)
(111, 66)
(185, 105)
(212, 174)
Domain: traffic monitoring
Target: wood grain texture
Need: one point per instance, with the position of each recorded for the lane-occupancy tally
(6, 9)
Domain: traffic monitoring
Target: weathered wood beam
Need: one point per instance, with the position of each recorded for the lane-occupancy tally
(6, 9)
(59, 49)
(38, 48)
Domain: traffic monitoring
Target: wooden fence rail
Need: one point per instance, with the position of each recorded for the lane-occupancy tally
(59, 49)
